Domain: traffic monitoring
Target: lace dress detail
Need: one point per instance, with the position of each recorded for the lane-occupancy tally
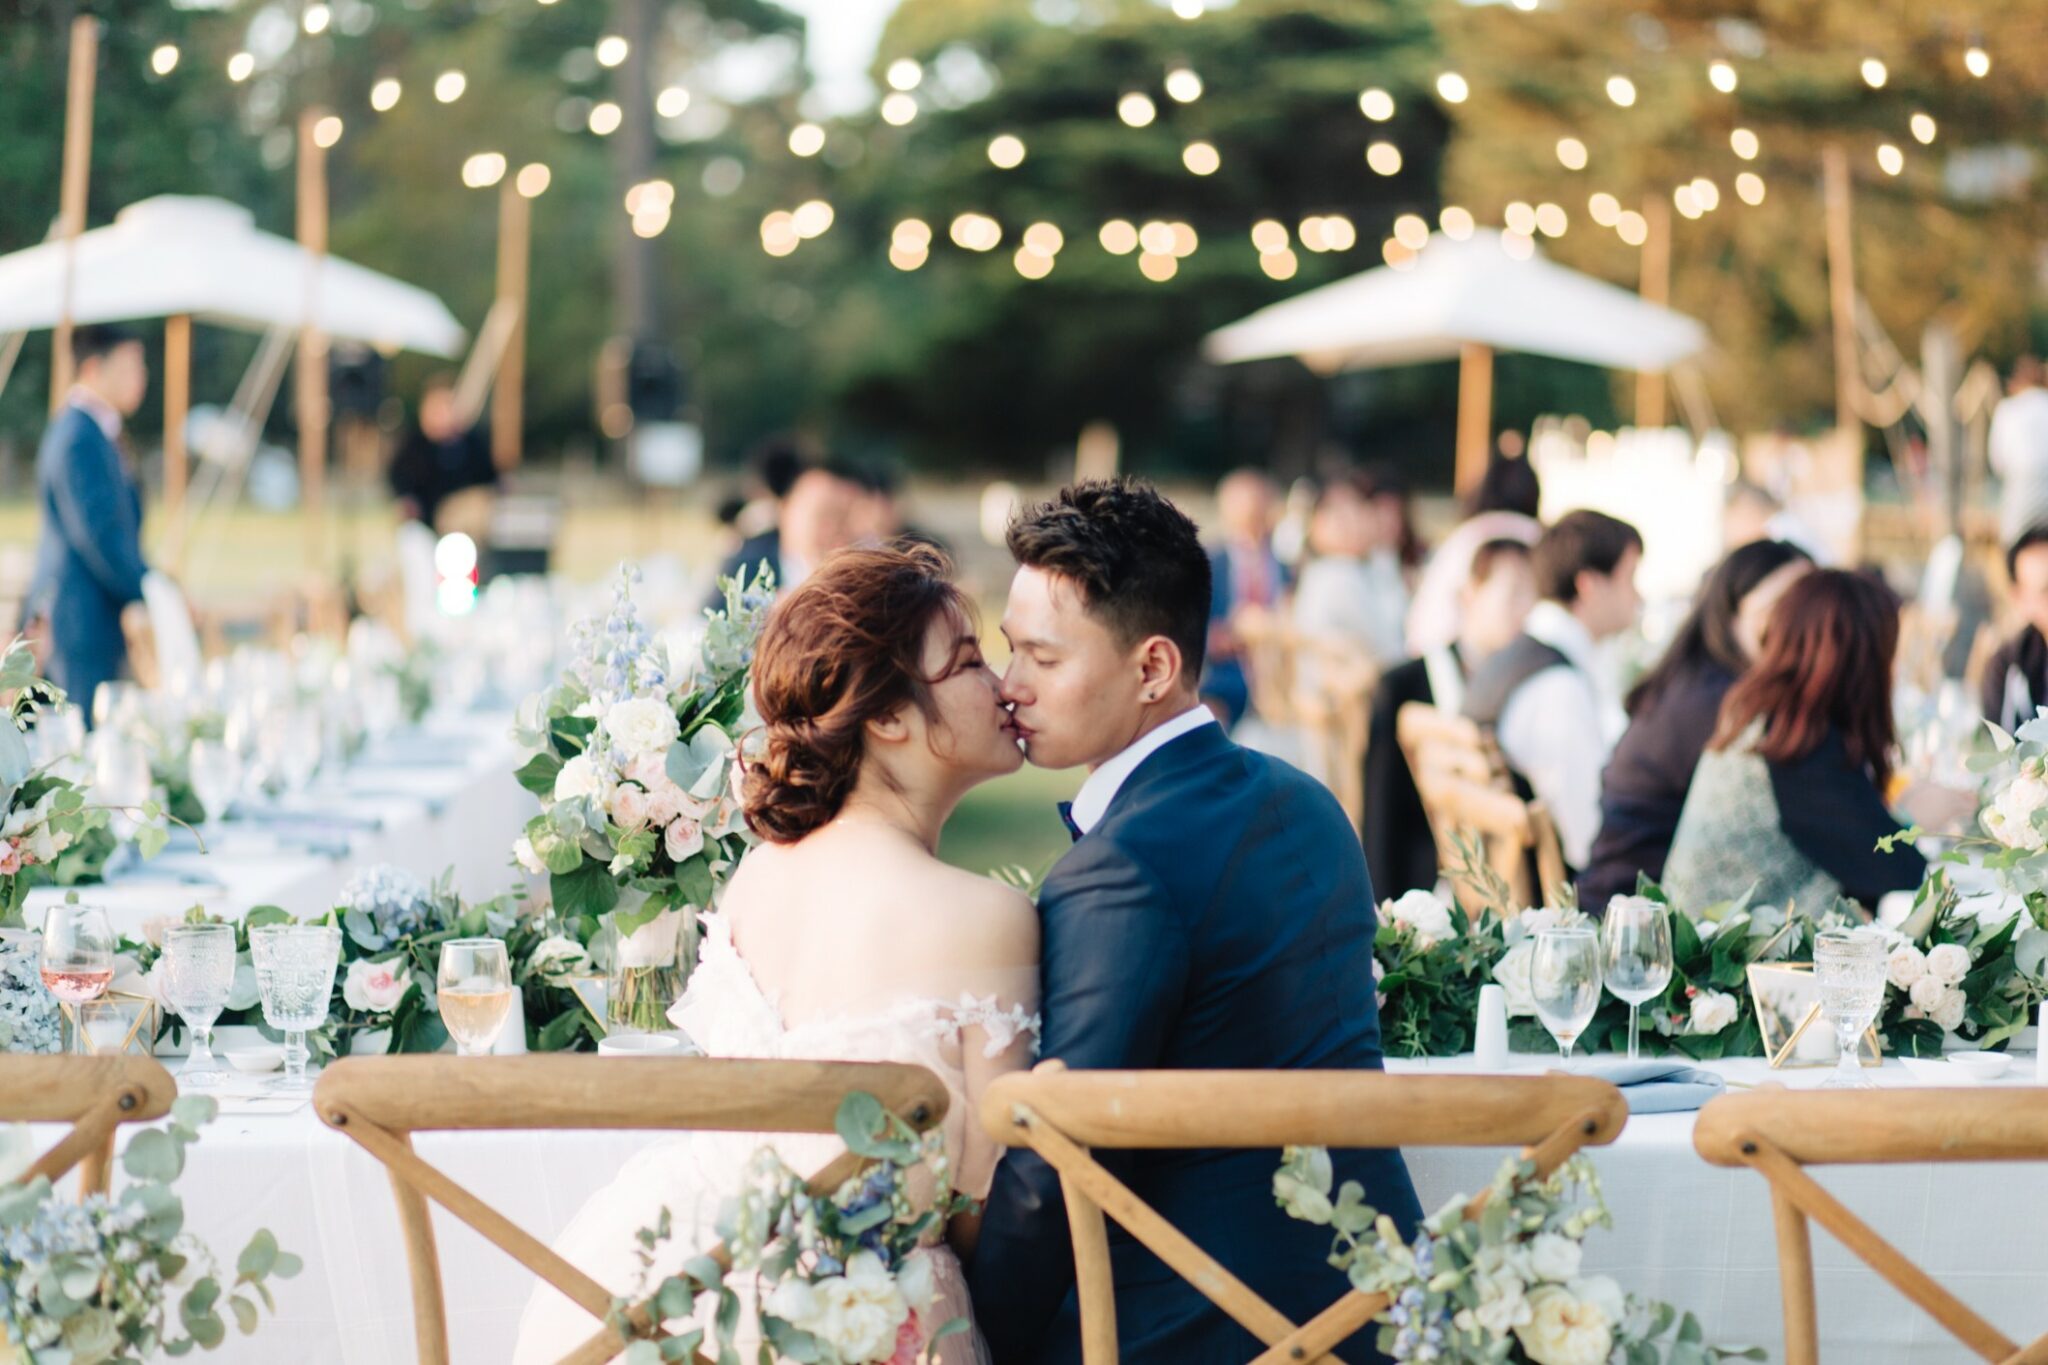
(727, 1014)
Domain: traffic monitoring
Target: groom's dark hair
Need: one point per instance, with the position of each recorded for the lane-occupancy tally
(1136, 557)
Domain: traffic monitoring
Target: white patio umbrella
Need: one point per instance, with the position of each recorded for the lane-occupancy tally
(1465, 299)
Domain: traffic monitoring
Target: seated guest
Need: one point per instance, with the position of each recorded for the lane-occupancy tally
(819, 515)
(1788, 801)
(1351, 590)
(1399, 848)
(1502, 507)
(1542, 696)
(1672, 713)
(2016, 680)
(1243, 572)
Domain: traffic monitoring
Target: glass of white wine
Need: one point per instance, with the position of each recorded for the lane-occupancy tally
(1564, 980)
(475, 987)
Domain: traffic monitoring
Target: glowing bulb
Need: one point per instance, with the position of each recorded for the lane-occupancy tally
(908, 258)
(1156, 267)
(1551, 220)
(533, 180)
(912, 234)
(1045, 239)
(1707, 193)
(1183, 86)
(1412, 231)
(1571, 154)
(1526, 6)
(1338, 233)
(449, 85)
(241, 66)
(1520, 217)
(483, 170)
(1451, 88)
(1188, 9)
(1874, 74)
(612, 50)
(1030, 264)
(1118, 237)
(327, 131)
(806, 139)
(812, 218)
(1384, 158)
(1890, 159)
(673, 101)
(164, 60)
(1201, 158)
(1279, 265)
(1744, 142)
(1633, 227)
(899, 109)
(605, 118)
(1621, 90)
(1923, 128)
(1006, 151)
(1605, 209)
(1269, 235)
(384, 94)
(1749, 187)
(778, 233)
(1376, 104)
(317, 18)
(1395, 254)
(904, 74)
(1137, 109)
(1457, 223)
(1311, 234)
(1517, 246)
(1977, 62)
(1156, 238)
(1722, 77)
(455, 556)
(1686, 201)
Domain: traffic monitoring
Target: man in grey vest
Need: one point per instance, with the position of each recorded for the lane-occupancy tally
(1542, 696)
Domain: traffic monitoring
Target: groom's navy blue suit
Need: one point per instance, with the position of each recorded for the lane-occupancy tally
(1219, 917)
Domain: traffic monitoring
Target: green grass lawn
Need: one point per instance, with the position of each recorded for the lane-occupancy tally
(1012, 821)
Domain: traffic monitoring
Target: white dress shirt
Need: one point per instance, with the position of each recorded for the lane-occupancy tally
(1091, 803)
(1555, 730)
(2019, 455)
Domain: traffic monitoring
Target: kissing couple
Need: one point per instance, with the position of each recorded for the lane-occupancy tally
(1214, 913)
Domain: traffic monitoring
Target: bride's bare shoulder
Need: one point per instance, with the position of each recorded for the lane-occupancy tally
(982, 920)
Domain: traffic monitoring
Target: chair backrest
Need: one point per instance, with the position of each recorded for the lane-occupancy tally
(379, 1102)
(1779, 1133)
(1269, 645)
(95, 1095)
(1334, 681)
(1063, 1114)
(1467, 796)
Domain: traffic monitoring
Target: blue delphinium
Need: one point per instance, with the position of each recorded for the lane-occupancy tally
(29, 1017)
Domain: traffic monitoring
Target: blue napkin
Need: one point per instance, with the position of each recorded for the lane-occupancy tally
(1659, 1085)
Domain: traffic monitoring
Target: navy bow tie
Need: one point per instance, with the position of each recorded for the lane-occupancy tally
(1067, 819)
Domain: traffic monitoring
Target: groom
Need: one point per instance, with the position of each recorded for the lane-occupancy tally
(1214, 914)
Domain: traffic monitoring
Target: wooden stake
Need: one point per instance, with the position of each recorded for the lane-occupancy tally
(508, 399)
(177, 403)
(310, 388)
(1842, 286)
(85, 48)
(1475, 414)
(1655, 287)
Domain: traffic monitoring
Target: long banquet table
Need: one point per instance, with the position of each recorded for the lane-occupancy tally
(1685, 1231)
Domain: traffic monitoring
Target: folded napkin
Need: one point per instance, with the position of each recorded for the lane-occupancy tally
(1658, 1085)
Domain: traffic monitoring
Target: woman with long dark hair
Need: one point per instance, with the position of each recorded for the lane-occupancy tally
(1672, 713)
(1788, 801)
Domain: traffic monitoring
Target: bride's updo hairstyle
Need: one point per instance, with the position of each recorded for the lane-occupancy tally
(844, 648)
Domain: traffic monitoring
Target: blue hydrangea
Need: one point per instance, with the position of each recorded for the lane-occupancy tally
(396, 901)
(29, 1017)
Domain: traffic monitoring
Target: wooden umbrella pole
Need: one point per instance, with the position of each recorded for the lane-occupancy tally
(310, 390)
(177, 403)
(1475, 414)
(1651, 411)
(508, 400)
(85, 47)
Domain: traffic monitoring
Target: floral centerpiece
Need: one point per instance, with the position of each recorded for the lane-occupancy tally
(1498, 1279)
(1969, 970)
(42, 815)
(635, 762)
(840, 1279)
(117, 1278)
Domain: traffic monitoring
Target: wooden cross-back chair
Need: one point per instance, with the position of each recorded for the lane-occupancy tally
(1333, 706)
(95, 1095)
(1779, 1133)
(1269, 649)
(381, 1102)
(1467, 795)
(1063, 1114)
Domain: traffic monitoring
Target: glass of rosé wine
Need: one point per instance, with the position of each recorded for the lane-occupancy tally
(78, 961)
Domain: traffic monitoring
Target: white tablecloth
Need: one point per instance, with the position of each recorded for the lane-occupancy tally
(439, 796)
(1694, 1234)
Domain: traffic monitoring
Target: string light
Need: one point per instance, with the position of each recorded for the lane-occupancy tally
(1749, 188)
(976, 232)
(1452, 88)
(899, 109)
(164, 60)
(1411, 231)
(1721, 75)
(1520, 217)
(674, 99)
(778, 233)
(612, 50)
(1622, 91)
(1157, 238)
(1551, 220)
(1006, 151)
(1707, 193)
(1395, 254)
(1269, 235)
(1137, 109)
(241, 66)
(1044, 239)
(1279, 265)
(1185, 241)
(1188, 9)
(1157, 268)
(904, 74)
(316, 18)
(1977, 62)
(1571, 153)
(648, 196)
(1923, 128)
(1311, 234)
(384, 94)
(1890, 159)
(1457, 223)
(1118, 237)
(327, 132)
(1605, 209)
(1030, 264)
(813, 218)
(449, 85)
(1384, 158)
(1518, 246)
(1338, 233)
(1633, 227)
(1201, 158)
(483, 170)
(908, 258)
(806, 139)
(1874, 73)
(1527, 6)
(1744, 142)
(605, 118)
(1686, 201)
(912, 234)
(533, 180)
(1183, 86)
(1376, 104)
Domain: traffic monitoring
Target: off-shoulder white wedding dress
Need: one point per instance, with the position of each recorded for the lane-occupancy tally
(726, 1013)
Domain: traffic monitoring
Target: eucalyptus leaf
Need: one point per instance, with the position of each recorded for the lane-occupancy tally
(259, 1257)
(153, 1155)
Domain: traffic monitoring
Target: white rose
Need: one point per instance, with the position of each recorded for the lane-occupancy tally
(523, 854)
(18, 1152)
(559, 956)
(580, 776)
(1428, 917)
(1927, 993)
(629, 807)
(1503, 1304)
(1564, 1329)
(684, 839)
(1601, 1292)
(1554, 1258)
(795, 1302)
(375, 987)
(642, 727)
(1948, 963)
(860, 1313)
(1949, 1010)
(1905, 966)
(2010, 818)
(1512, 972)
(914, 1280)
(1712, 1011)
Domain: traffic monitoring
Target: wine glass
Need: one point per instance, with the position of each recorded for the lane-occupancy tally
(1564, 980)
(215, 771)
(78, 961)
(1635, 955)
(475, 987)
(1849, 965)
(198, 974)
(302, 748)
(295, 975)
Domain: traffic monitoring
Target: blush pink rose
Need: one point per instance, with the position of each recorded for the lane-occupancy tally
(11, 860)
(630, 807)
(909, 1342)
(684, 838)
(649, 770)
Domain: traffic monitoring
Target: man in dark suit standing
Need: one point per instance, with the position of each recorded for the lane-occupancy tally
(89, 563)
(816, 518)
(1214, 913)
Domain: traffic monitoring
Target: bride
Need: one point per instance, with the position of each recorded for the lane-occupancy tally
(843, 937)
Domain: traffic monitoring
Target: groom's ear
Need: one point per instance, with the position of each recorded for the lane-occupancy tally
(1159, 668)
